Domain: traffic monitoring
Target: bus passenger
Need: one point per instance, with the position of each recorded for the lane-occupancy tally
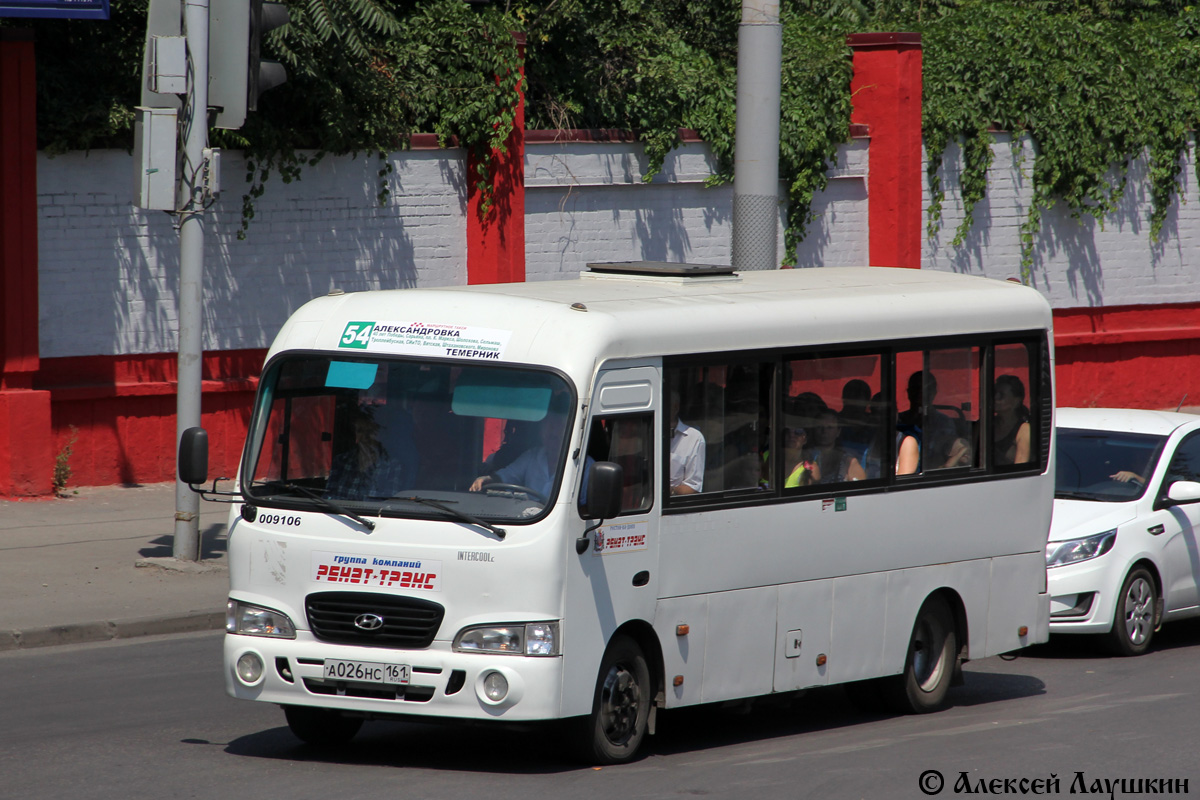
(835, 464)
(1011, 432)
(687, 454)
(858, 429)
(800, 471)
(365, 470)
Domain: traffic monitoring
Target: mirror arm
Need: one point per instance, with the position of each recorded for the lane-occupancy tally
(212, 495)
(581, 544)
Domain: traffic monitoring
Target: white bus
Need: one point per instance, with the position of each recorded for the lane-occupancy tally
(649, 487)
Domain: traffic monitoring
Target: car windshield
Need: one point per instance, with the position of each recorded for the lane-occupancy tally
(1104, 466)
(406, 438)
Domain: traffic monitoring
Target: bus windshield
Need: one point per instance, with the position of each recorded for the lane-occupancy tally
(408, 438)
(1104, 466)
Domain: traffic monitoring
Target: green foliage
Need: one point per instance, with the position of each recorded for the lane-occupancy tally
(1093, 84)
(62, 464)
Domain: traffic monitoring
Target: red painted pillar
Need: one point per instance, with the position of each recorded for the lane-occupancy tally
(26, 445)
(886, 91)
(496, 243)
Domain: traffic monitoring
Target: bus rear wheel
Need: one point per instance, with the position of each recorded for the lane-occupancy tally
(320, 726)
(929, 665)
(614, 730)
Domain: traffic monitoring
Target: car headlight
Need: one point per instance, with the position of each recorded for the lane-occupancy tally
(1059, 554)
(250, 620)
(520, 639)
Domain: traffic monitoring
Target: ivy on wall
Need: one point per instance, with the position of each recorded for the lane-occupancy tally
(1092, 84)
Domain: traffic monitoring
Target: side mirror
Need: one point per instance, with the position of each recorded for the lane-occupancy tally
(605, 483)
(193, 456)
(1184, 492)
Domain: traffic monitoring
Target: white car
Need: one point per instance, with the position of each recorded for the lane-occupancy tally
(1122, 556)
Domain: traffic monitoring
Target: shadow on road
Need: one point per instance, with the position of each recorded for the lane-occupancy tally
(212, 544)
(1171, 636)
(540, 749)
(535, 750)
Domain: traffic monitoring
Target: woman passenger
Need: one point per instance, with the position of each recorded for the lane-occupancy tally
(834, 464)
(1010, 430)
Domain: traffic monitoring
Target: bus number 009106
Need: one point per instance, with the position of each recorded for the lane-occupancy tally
(278, 519)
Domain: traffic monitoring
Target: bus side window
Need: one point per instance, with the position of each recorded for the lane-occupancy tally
(832, 432)
(717, 426)
(939, 392)
(1012, 398)
(626, 440)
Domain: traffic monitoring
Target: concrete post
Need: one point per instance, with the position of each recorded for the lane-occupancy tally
(191, 267)
(756, 148)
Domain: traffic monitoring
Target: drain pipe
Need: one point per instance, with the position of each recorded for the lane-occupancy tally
(756, 145)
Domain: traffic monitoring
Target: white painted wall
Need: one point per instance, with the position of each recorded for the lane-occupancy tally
(108, 271)
(1076, 262)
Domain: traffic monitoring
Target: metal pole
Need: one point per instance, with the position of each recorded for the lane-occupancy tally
(756, 148)
(191, 266)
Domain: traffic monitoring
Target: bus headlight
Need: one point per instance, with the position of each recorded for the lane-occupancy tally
(1072, 551)
(528, 639)
(251, 620)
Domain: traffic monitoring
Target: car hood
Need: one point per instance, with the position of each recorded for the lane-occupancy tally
(1075, 519)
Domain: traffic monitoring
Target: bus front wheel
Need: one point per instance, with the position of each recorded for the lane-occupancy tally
(614, 730)
(929, 665)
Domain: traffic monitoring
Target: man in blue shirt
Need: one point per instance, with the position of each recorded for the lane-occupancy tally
(536, 467)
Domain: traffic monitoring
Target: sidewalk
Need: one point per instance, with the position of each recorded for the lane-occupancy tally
(98, 565)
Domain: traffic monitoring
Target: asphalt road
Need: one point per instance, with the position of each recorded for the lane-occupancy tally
(149, 719)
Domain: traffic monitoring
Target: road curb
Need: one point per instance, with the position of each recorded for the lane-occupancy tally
(105, 630)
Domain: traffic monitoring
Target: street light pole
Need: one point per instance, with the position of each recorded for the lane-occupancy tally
(756, 145)
(192, 196)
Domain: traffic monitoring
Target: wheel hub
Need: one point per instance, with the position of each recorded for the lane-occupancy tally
(619, 701)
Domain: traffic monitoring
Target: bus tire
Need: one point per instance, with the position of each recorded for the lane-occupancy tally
(614, 730)
(1134, 616)
(320, 726)
(929, 664)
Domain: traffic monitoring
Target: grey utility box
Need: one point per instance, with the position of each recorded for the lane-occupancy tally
(154, 157)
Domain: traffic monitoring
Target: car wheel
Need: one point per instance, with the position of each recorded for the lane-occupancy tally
(929, 665)
(614, 730)
(320, 726)
(1134, 617)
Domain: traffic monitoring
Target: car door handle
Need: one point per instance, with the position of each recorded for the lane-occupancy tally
(1155, 530)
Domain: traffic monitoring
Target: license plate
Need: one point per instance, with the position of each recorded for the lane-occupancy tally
(366, 671)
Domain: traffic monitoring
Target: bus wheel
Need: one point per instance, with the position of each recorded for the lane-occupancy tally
(929, 666)
(320, 726)
(621, 706)
(1133, 618)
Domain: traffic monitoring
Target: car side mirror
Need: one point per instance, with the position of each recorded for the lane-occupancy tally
(604, 488)
(1184, 492)
(193, 456)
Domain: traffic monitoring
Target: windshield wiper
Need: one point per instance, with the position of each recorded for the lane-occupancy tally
(1069, 495)
(454, 512)
(330, 505)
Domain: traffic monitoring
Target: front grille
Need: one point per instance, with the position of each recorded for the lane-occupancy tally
(408, 622)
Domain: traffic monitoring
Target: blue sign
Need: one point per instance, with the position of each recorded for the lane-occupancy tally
(55, 9)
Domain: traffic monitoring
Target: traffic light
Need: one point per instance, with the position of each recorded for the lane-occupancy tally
(237, 75)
